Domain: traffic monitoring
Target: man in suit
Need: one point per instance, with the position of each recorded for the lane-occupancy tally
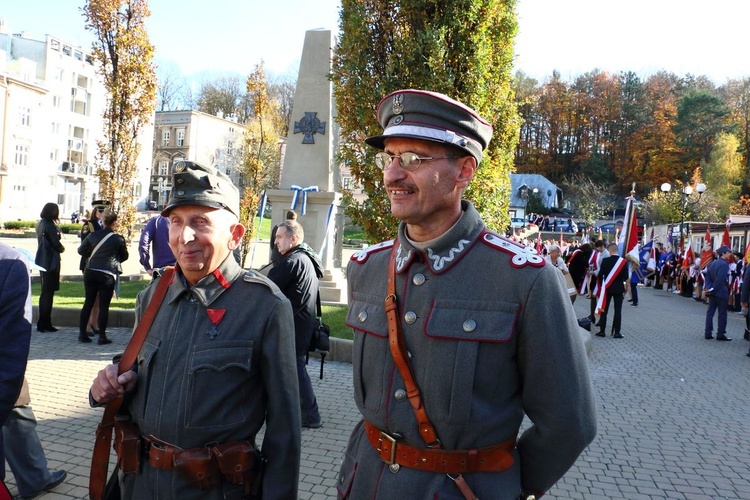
(612, 276)
(717, 292)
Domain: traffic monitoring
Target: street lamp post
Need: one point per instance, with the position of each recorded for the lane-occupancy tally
(686, 201)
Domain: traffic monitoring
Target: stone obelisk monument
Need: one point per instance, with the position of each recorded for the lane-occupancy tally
(310, 175)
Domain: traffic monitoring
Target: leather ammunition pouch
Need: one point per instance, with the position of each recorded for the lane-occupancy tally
(236, 462)
(127, 445)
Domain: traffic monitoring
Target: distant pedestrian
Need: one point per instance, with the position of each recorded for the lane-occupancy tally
(612, 276)
(297, 275)
(48, 253)
(274, 255)
(93, 224)
(155, 235)
(716, 288)
(104, 251)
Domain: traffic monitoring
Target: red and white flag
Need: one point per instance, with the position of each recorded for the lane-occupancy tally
(707, 253)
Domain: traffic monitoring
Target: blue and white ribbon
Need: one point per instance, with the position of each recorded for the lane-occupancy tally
(295, 198)
(328, 224)
(263, 203)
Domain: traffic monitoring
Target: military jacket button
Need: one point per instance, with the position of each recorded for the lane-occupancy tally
(418, 279)
(362, 317)
(400, 395)
(180, 193)
(410, 317)
(394, 468)
(470, 325)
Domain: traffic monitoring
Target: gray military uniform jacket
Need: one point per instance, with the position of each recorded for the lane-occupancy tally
(201, 383)
(492, 336)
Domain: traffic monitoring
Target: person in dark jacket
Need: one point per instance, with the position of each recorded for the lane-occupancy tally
(93, 224)
(274, 255)
(578, 264)
(296, 274)
(105, 251)
(612, 276)
(48, 253)
(717, 292)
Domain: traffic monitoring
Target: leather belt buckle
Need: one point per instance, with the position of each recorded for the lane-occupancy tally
(392, 441)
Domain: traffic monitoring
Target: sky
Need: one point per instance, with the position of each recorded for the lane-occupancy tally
(198, 37)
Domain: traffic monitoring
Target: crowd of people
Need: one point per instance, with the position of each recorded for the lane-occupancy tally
(665, 267)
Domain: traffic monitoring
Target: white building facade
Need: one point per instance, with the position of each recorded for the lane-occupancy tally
(51, 110)
(193, 136)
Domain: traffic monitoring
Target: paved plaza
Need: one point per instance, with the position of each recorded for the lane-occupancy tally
(673, 409)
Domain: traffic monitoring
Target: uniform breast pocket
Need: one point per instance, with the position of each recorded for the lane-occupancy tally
(473, 351)
(218, 384)
(370, 351)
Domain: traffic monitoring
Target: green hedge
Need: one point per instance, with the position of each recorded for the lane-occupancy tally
(70, 228)
(20, 224)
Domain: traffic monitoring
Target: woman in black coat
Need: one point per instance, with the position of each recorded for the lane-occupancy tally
(104, 252)
(48, 253)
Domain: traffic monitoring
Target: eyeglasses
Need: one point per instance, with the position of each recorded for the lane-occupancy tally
(409, 161)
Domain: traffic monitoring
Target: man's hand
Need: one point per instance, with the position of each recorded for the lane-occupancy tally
(108, 386)
(150, 272)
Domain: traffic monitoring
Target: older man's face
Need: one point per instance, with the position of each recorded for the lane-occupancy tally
(427, 199)
(201, 238)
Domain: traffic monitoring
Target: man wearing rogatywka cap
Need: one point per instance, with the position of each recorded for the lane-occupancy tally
(218, 361)
(717, 292)
(465, 344)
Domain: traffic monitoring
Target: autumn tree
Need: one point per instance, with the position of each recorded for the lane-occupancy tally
(701, 116)
(460, 48)
(261, 153)
(123, 55)
(589, 199)
(724, 172)
(737, 97)
(222, 96)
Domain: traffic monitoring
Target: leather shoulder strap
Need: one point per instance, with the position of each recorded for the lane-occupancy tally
(401, 358)
(100, 456)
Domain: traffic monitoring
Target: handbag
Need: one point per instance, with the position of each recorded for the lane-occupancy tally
(320, 342)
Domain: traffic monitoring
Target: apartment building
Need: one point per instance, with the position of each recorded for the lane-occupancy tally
(51, 111)
(193, 136)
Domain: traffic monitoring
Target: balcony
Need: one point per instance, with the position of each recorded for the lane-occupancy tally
(71, 169)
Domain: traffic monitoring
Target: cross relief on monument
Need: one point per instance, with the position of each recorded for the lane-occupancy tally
(309, 125)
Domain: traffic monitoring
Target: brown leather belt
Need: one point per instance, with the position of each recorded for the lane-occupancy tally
(490, 459)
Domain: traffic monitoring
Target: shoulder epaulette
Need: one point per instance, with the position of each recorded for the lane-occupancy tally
(522, 256)
(364, 254)
(255, 277)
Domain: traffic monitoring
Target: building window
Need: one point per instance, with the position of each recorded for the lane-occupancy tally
(180, 138)
(230, 148)
(67, 50)
(24, 115)
(22, 155)
(165, 138)
(56, 101)
(56, 128)
(163, 168)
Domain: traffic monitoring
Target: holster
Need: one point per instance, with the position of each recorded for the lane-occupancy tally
(127, 445)
(198, 467)
(241, 463)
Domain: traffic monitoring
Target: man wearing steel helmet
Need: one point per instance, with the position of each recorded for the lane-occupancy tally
(218, 362)
(452, 343)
